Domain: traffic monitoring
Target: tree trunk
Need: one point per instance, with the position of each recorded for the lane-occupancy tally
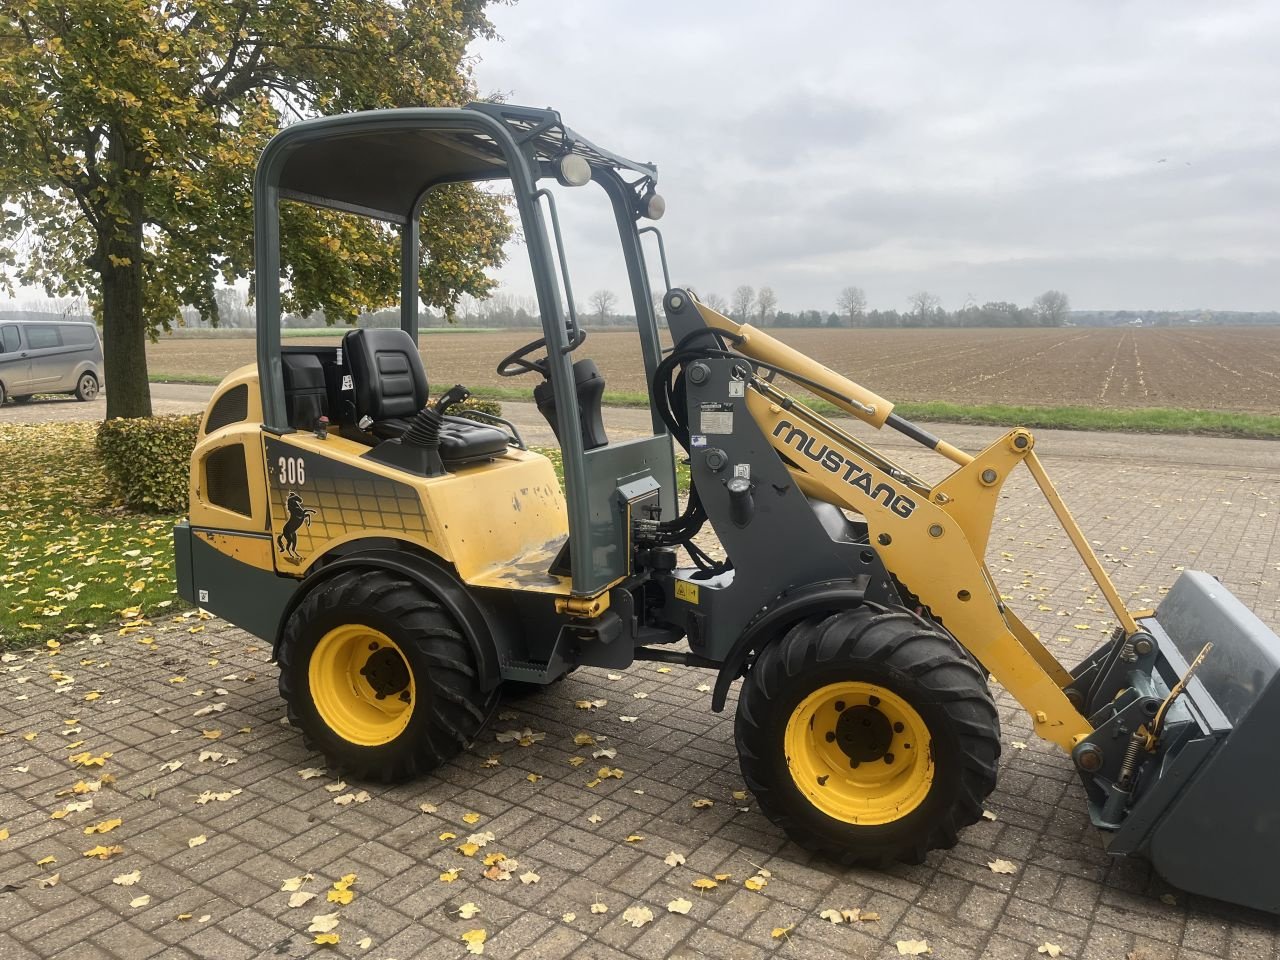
(124, 332)
(124, 326)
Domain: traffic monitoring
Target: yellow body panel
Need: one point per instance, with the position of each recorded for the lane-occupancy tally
(246, 433)
(499, 523)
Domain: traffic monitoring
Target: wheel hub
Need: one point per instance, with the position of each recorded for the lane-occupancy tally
(864, 734)
(386, 672)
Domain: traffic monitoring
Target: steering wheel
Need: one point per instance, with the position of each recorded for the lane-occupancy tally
(516, 363)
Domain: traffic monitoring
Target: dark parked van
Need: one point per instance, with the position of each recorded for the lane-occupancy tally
(49, 357)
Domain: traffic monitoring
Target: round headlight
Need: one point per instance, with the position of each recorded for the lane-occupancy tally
(653, 206)
(572, 170)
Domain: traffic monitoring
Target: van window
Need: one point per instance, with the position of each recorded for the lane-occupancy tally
(9, 340)
(41, 335)
(78, 333)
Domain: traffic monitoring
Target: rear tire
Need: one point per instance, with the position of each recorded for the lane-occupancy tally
(3, 396)
(366, 633)
(868, 736)
(87, 388)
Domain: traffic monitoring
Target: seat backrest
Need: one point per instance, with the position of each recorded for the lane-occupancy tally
(387, 373)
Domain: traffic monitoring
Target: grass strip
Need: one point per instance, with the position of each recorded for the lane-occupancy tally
(70, 561)
(1215, 423)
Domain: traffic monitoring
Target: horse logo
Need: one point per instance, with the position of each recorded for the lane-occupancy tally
(287, 541)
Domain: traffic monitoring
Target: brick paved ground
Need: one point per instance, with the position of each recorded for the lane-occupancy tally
(1151, 518)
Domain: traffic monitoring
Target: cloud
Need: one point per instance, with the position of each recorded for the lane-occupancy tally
(996, 150)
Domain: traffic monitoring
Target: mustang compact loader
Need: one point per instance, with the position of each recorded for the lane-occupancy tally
(408, 565)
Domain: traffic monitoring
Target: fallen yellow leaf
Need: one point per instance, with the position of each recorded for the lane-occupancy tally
(474, 939)
(104, 853)
(913, 948)
(637, 916)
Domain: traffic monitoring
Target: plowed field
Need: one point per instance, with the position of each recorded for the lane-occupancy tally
(1209, 368)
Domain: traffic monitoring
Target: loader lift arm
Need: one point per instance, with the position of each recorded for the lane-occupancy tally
(932, 538)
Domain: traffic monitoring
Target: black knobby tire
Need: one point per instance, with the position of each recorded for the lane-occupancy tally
(906, 655)
(450, 707)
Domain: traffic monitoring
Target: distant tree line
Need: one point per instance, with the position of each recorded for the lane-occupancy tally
(924, 309)
(747, 305)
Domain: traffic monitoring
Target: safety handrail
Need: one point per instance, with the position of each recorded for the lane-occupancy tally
(662, 254)
(574, 329)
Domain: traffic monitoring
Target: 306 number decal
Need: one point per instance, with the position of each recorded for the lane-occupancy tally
(292, 471)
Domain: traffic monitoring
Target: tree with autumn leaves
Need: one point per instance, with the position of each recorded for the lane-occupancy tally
(129, 130)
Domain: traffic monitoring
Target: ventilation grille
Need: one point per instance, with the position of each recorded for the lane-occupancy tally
(232, 407)
(226, 479)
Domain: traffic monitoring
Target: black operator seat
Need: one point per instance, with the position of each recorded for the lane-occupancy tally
(391, 387)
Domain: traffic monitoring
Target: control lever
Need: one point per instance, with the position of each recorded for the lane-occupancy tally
(455, 394)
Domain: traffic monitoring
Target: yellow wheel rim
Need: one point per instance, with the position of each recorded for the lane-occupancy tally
(860, 753)
(361, 685)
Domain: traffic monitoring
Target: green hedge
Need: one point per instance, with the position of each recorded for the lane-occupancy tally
(148, 460)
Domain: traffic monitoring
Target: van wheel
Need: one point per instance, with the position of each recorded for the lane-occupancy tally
(3, 396)
(380, 677)
(87, 388)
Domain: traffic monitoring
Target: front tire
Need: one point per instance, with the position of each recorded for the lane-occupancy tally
(380, 677)
(87, 388)
(868, 736)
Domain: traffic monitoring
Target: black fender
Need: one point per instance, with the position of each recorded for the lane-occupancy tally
(433, 575)
(779, 615)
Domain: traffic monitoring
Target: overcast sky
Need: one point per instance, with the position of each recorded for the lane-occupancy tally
(1125, 153)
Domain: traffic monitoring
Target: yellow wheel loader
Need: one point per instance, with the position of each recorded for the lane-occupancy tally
(410, 565)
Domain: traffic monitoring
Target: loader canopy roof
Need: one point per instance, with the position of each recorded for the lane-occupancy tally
(389, 158)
